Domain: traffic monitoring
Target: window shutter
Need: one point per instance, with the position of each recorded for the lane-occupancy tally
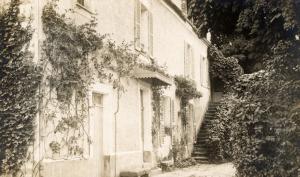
(192, 63)
(201, 69)
(207, 72)
(150, 16)
(81, 2)
(186, 62)
(162, 121)
(167, 105)
(137, 24)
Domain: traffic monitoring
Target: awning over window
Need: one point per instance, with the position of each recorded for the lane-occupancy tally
(152, 77)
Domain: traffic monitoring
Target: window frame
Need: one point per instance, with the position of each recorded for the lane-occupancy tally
(139, 6)
(189, 61)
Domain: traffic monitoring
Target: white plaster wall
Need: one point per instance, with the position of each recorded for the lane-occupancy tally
(116, 18)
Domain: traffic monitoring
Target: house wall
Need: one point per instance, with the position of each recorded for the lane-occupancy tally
(122, 147)
(170, 35)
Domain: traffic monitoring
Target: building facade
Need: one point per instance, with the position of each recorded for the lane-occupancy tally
(121, 131)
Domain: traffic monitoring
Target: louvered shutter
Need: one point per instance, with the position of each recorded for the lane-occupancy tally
(186, 60)
(172, 117)
(150, 45)
(201, 69)
(207, 72)
(192, 63)
(137, 24)
(167, 105)
(162, 122)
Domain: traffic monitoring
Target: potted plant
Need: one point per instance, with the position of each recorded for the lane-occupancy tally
(55, 147)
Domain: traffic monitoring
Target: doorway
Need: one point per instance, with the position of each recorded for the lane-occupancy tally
(97, 135)
(142, 114)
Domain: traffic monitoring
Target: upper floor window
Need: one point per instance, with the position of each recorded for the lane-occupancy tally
(204, 75)
(81, 2)
(85, 5)
(143, 28)
(189, 68)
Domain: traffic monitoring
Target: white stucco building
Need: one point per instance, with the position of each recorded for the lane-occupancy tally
(161, 30)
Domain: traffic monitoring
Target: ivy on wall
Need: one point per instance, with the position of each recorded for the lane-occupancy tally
(75, 56)
(19, 83)
(186, 90)
(157, 103)
(225, 69)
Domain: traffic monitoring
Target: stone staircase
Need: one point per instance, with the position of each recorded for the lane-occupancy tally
(200, 148)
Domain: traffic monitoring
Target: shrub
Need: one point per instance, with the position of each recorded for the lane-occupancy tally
(257, 126)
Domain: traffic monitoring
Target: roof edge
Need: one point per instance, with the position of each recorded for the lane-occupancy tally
(179, 12)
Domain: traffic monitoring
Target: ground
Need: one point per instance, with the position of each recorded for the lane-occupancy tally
(210, 170)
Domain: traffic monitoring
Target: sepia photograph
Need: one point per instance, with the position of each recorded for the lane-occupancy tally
(149, 88)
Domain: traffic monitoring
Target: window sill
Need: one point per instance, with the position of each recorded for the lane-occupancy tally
(85, 8)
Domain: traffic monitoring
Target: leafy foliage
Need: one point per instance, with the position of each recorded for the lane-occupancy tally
(75, 56)
(246, 30)
(219, 64)
(186, 90)
(157, 95)
(19, 81)
(257, 126)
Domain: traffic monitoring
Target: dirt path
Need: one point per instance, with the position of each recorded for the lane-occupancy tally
(220, 170)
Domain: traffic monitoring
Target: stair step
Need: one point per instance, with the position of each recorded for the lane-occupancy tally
(202, 161)
(199, 153)
(203, 134)
(211, 110)
(200, 148)
(201, 142)
(200, 158)
(202, 138)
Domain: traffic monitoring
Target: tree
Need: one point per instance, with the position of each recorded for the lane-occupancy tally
(19, 80)
(258, 120)
(247, 29)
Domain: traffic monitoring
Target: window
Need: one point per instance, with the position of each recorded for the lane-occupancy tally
(204, 79)
(189, 69)
(166, 118)
(81, 2)
(143, 28)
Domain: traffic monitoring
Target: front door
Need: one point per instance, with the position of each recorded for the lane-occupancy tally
(142, 110)
(97, 135)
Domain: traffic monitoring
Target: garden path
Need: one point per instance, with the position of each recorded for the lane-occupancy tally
(203, 170)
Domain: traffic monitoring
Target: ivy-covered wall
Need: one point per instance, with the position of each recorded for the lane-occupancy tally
(75, 61)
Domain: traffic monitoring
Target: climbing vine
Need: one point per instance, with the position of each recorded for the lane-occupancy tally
(219, 64)
(75, 56)
(19, 83)
(157, 93)
(186, 90)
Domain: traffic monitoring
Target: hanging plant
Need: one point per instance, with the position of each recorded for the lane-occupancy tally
(186, 90)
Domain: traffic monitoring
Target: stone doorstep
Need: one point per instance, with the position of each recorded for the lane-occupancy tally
(135, 173)
(167, 162)
(155, 171)
(138, 172)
